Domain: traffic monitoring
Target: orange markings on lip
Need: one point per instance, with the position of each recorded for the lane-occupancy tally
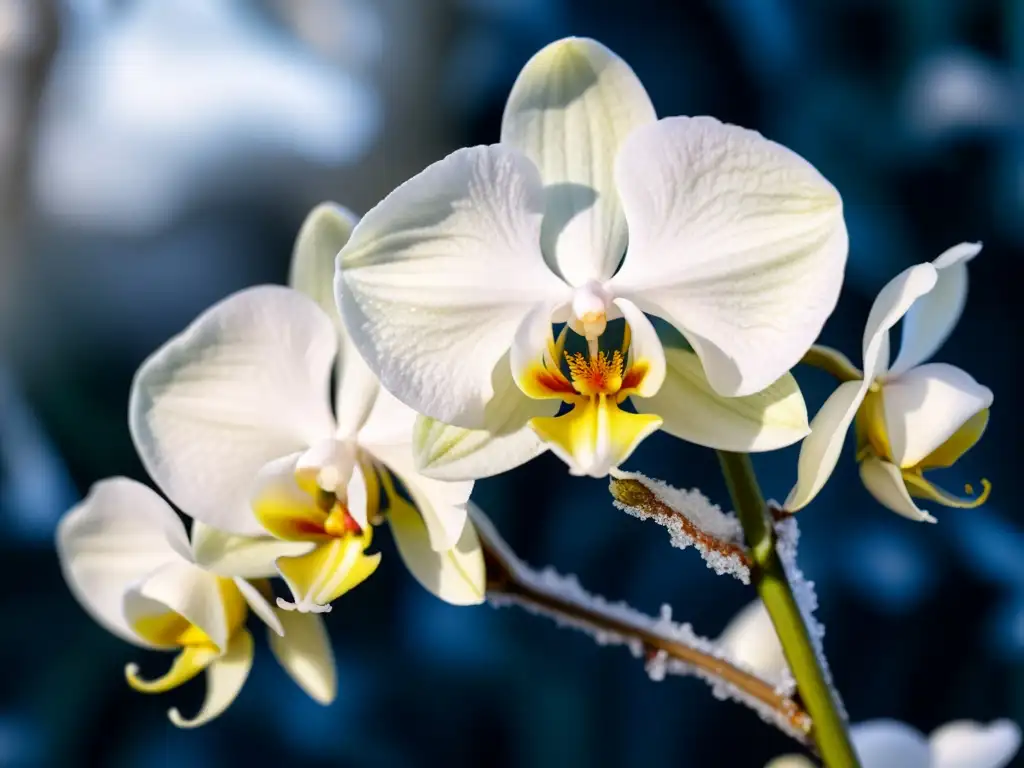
(634, 376)
(602, 374)
(340, 523)
(552, 381)
(303, 527)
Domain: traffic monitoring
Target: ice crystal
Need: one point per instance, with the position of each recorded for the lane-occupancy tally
(690, 518)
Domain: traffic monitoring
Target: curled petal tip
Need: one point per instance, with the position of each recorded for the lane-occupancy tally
(189, 663)
(175, 716)
(981, 498)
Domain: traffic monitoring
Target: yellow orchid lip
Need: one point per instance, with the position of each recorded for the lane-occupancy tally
(595, 435)
(339, 561)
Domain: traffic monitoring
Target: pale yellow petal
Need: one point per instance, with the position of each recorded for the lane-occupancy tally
(693, 411)
(304, 651)
(885, 482)
(961, 441)
(455, 575)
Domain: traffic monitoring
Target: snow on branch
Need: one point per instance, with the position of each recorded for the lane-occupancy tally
(691, 519)
(667, 647)
(787, 537)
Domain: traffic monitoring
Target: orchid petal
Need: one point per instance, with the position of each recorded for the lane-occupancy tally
(444, 452)
(304, 651)
(180, 592)
(119, 534)
(321, 237)
(885, 482)
(646, 353)
(257, 601)
(892, 303)
(224, 680)
(389, 421)
(248, 557)
(455, 575)
(246, 383)
(925, 406)
(820, 450)
(965, 744)
(522, 390)
(933, 317)
(735, 240)
(323, 234)
(535, 357)
(441, 503)
(693, 411)
(965, 438)
(569, 111)
(438, 276)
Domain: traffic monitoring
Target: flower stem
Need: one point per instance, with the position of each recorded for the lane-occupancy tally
(773, 587)
(509, 581)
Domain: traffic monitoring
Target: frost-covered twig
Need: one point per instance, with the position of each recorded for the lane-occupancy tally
(665, 646)
(691, 520)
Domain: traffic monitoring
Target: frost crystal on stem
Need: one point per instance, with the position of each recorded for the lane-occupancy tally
(787, 534)
(691, 520)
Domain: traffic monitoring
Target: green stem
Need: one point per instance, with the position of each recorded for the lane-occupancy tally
(769, 577)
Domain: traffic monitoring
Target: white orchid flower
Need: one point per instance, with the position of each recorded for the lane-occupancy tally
(451, 284)
(128, 561)
(960, 744)
(911, 416)
(233, 420)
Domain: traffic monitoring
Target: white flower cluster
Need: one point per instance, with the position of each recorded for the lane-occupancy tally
(509, 299)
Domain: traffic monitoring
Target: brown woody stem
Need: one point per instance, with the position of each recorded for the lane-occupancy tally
(505, 582)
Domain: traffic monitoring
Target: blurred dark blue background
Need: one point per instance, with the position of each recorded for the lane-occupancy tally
(155, 156)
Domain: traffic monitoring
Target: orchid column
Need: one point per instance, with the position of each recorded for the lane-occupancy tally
(454, 286)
